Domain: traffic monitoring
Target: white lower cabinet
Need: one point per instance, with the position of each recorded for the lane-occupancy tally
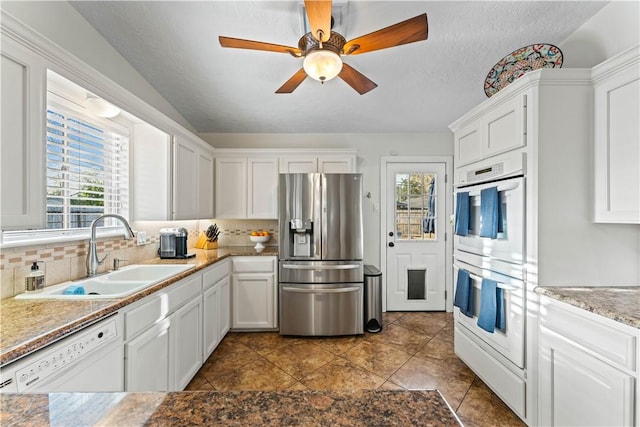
(254, 296)
(186, 343)
(587, 369)
(147, 359)
(163, 338)
(216, 304)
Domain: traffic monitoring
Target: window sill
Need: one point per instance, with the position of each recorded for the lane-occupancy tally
(36, 238)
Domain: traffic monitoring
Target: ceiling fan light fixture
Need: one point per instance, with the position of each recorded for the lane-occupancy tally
(322, 64)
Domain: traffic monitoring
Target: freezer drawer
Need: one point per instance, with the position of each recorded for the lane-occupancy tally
(321, 310)
(313, 272)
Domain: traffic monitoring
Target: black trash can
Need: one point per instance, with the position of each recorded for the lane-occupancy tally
(372, 299)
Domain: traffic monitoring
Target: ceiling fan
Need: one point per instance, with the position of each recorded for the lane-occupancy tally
(322, 48)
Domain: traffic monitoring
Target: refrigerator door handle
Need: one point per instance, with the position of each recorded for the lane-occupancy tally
(321, 267)
(321, 291)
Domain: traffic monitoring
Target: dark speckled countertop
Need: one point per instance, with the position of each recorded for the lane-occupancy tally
(621, 304)
(27, 325)
(238, 408)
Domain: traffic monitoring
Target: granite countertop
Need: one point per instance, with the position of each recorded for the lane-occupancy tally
(28, 325)
(237, 408)
(616, 303)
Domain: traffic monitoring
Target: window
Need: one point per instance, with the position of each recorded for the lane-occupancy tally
(87, 167)
(416, 196)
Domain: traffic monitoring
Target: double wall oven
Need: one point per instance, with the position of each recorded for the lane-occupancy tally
(496, 354)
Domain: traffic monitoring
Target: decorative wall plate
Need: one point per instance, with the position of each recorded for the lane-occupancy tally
(520, 62)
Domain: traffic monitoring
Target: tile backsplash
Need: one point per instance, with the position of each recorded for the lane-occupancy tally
(62, 262)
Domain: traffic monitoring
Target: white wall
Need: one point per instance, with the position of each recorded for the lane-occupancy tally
(62, 24)
(371, 147)
(614, 29)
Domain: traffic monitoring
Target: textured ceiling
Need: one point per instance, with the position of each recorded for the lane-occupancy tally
(422, 87)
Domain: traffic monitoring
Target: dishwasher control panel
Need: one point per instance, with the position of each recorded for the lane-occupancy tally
(64, 354)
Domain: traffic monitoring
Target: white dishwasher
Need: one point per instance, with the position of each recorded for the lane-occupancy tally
(90, 360)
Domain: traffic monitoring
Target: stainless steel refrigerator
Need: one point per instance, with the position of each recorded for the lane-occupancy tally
(321, 269)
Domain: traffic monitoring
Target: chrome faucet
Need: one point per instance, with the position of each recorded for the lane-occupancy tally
(92, 256)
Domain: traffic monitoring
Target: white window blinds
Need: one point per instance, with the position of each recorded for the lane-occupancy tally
(87, 168)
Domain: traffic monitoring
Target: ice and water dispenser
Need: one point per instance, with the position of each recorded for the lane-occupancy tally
(301, 237)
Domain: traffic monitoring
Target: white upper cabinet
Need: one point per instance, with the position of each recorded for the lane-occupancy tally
(192, 179)
(262, 188)
(499, 128)
(247, 187)
(617, 139)
(22, 139)
(319, 163)
(231, 187)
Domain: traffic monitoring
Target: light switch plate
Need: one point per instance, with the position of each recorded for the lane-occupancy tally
(141, 238)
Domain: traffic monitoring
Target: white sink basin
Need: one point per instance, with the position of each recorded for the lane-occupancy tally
(117, 284)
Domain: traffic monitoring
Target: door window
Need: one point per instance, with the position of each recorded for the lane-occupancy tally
(415, 206)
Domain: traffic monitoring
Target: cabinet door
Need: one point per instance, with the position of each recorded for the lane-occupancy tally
(204, 200)
(577, 388)
(211, 319)
(505, 126)
(186, 343)
(147, 359)
(185, 178)
(304, 164)
(224, 306)
(253, 301)
(468, 144)
(334, 164)
(617, 148)
(231, 187)
(22, 137)
(262, 190)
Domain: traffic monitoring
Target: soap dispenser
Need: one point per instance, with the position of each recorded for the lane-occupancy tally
(34, 280)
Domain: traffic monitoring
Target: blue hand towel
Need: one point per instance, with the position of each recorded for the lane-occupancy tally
(489, 212)
(491, 313)
(464, 293)
(74, 290)
(462, 214)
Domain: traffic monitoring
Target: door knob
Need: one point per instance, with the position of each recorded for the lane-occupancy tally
(391, 244)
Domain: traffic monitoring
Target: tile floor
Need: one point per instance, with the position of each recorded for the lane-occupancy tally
(413, 351)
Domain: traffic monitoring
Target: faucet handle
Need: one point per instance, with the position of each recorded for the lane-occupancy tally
(116, 263)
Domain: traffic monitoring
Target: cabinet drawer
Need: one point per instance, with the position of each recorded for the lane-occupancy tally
(214, 274)
(183, 291)
(253, 264)
(612, 344)
(143, 316)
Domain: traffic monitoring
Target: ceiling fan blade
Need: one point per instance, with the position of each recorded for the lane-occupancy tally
(250, 44)
(356, 80)
(409, 31)
(319, 14)
(291, 84)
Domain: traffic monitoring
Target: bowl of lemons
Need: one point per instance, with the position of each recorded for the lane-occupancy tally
(259, 238)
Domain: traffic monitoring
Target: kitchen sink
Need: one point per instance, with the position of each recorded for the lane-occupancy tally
(116, 284)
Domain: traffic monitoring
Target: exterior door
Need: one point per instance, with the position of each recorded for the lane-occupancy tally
(415, 236)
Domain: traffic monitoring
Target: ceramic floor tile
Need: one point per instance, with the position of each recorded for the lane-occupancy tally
(300, 359)
(381, 359)
(199, 383)
(428, 324)
(297, 386)
(388, 385)
(266, 342)
(229, 355)
(340, 374)
(389, 317)
(481, 407)
(400, 338)
(437, 348)
(446, 334)
(260, 375)
(422, 374)
(338, 345)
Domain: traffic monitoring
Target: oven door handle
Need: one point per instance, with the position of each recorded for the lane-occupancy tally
(501, 187)
(504, 286)
(321, 291)
(321, 267)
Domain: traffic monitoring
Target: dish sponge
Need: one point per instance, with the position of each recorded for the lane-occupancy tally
(74, 290)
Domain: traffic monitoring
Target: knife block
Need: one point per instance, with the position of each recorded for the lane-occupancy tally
(203, 243)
